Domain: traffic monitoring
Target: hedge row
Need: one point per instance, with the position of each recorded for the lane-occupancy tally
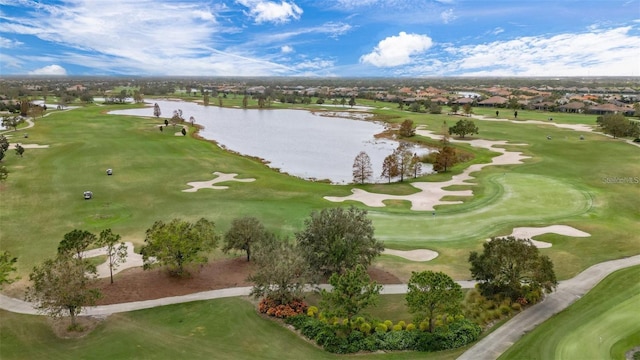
(342, 340)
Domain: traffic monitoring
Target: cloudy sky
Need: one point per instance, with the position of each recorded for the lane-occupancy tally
(345, 38)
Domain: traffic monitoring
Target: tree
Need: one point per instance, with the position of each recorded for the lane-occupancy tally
(12, 122)
(467, 109)
(62, 285)
(406, 129)
(432, 294)
(338, 239)
(362, 170)
(415, 166)
(178, 243)
(352, 101)
(403, 159)
(281, 272)
(7, 266)
(244, 233)
(116, 253)
(19, 150)
(205, 99)
(617, 125)
(4, 143)
(463, 127)
(245, 102)
(351, 293)
(390, 167)
(455, 108)
(156, 110)
(75, 243)
(444, 159)
(512, 267)
(435, 109)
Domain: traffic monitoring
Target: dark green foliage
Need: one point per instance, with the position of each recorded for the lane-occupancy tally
(433, 294)
(76, 242)
(618, 125)
(513, 268)
(463, 127)
(331, 338)
(338, 239)
(352, 292)
(244, 232)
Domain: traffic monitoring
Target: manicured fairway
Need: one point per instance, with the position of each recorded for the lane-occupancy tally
(601, 325)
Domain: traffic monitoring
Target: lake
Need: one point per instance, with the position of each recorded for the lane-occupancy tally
(296, 142)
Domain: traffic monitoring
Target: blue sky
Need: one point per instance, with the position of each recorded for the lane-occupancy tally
(343, 38)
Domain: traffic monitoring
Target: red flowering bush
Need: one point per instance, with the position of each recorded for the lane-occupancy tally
(273, 308)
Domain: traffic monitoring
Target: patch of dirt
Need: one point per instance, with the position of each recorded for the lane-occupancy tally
(137, 285)
(60, 326)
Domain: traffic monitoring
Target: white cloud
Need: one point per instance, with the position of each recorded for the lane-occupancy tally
(286, 49)
(447, 16)
(49, 70)
(269, 11)
(397, 50)
(8, 43)
(605, 52)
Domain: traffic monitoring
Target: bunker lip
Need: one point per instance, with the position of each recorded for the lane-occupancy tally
(431, 193)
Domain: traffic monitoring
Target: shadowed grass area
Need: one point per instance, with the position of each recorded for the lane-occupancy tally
(603, 324)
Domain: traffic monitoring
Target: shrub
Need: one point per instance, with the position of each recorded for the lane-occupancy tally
(424, 325)
(396, 327)
(381, 328)
(505, 309)
(389, 324)
(410, 327)
(312, 311)
(402, 324)
(365, 328)
(273, 308)
(516, 306)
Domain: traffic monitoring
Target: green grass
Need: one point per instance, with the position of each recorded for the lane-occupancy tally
(562, 182)
(601, 325)
(217, 329)
(41, 201)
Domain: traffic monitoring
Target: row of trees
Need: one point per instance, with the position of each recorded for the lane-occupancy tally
(617, 125)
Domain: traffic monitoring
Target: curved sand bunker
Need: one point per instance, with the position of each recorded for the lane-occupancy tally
(29, 146)
(413, 255)
(132, 260)
(431, 193)
(530, 232)
(221, 177)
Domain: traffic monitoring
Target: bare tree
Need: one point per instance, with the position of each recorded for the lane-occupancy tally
(362, 168)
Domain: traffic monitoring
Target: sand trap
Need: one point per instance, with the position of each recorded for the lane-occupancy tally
(29, 146)
(132, 260)
(577, 127)
(413, 255)
(221, 177)
(431, 193)
(530, 232)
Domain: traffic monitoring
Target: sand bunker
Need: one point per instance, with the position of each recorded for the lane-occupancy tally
(431, 193)
(413, 255)
(221, 177)
(530, 232)
(29, 146)
(132, 260)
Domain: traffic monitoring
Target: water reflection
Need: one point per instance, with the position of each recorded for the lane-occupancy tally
(296, 142)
